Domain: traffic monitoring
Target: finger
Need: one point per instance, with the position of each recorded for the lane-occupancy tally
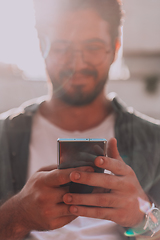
(102, 180)
(98, 200)
(48, 168)
(61, 221)
(112, 150)
(115, 166)
(58, 177)
(56, 195)
(94, 212)
(101, 190)
(75, 164)
(98, 150)
(80, 157)
(58, 210)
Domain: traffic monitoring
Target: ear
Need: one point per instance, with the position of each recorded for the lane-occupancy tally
(44, 46)
(117, 46)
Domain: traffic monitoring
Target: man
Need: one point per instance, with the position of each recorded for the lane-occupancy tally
(79, 40)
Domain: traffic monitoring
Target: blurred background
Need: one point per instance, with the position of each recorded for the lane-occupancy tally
(135, 76)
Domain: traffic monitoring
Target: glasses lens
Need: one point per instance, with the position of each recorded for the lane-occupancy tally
(92, 53)
(60, 52)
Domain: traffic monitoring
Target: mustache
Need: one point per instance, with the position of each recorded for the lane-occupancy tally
(68, 73)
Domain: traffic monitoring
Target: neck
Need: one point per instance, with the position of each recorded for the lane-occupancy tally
(73, 118)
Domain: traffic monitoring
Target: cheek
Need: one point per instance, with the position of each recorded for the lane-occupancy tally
(104, 68)
(52, 67)
(103, 72)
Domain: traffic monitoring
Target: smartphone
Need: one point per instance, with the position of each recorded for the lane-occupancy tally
(76, 152)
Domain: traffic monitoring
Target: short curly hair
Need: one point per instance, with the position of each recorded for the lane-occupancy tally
(108, 10)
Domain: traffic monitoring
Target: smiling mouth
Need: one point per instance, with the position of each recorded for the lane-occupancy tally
(79, 79)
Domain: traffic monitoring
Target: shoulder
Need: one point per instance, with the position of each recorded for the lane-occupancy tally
(145, 121)
(145, 130)
(27, 109)
(134, 125)
(132, 116)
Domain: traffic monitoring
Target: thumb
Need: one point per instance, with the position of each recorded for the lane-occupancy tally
(48, 168)
(112, 150)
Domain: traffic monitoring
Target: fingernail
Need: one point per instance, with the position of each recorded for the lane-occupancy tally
(74, 209)
(77, 176)
(69, 198)
(101, 161)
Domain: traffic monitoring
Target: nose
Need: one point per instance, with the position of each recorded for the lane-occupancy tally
(77, 61)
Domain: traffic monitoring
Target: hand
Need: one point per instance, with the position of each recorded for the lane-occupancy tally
(121, 204)
(40, 203)
(82, 159)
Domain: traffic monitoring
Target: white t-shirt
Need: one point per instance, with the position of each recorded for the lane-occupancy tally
(43, 152)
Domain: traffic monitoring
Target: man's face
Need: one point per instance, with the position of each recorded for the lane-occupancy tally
(80, 56)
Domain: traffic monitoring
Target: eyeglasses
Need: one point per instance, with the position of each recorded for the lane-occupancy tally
(93, 53)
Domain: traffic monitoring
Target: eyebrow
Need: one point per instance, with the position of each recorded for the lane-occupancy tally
(92, 40)
(61, 41)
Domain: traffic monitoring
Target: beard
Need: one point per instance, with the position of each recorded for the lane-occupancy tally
(78, 97)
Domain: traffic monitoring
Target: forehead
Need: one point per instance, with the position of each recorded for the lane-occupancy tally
(79, 26)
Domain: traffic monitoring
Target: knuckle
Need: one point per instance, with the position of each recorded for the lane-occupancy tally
(60, 178)
(64, 211)
(119, 166)
(83, 211)
(46, 213)
(88, 177)
(107, 216)
(130, 171)
(122, 216)
(89, 180)
(35, 180)
(112, 202)
(131, 203)
(78, 200)
(40, 199)
(121, 183)
(132, 188)
(99, 213)
(51, 225)
(102, 201)
(107, 180)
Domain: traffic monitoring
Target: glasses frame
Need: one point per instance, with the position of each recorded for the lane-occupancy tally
(71, 51)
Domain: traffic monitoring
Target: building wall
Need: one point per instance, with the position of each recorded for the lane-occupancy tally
(141, 26)
(132, 92)
(142, 37)
(141, 55)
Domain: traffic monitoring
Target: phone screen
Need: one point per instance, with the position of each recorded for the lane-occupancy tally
(80, 152)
